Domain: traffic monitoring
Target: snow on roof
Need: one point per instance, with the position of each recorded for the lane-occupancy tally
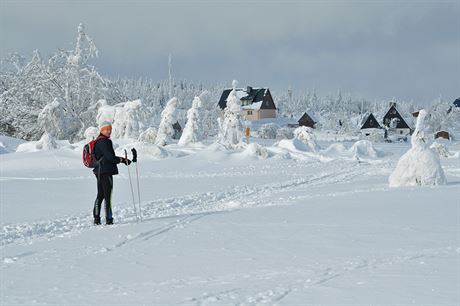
(242, 92)
(253, 106)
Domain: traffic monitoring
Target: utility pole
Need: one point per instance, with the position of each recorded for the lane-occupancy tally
(170, 75)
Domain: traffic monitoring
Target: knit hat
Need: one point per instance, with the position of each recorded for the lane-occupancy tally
(105, 125)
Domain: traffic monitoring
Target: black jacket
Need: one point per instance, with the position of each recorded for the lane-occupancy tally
(104, 148)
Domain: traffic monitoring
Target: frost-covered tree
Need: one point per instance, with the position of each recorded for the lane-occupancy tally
(128, 121)
(305, 135)
(231, 128)
(149, 135)
(66, 76)
(91, 133)
(268, 131)
(284, 133)
(46, 142)
(193, 128)
(420, 165)
(53, 120)
(168, 118)
(209, 112)
(443, 116)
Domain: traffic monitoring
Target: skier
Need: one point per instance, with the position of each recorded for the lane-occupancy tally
(106, 168)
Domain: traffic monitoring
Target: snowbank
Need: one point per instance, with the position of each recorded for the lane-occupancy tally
(46, 143)
(9, 144)
(255, 150)
(364, 148)
(294, 145)
(360, 149)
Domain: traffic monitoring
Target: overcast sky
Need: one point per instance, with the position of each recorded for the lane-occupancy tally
(375, 49)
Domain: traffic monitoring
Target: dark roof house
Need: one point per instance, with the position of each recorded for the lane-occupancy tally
(457, 102)
(307, 120)
(393, 113)
(250, 96)
(371, 123)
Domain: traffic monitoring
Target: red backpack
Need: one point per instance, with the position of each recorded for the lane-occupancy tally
(89, 158)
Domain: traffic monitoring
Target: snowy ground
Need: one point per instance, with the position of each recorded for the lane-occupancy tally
(295, 228)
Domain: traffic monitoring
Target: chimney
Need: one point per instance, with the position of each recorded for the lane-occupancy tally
(248, 89)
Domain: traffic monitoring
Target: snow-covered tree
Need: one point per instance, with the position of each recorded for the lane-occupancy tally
(284, 133)
(91, 133)
(230, 128)
(66, 76)
(420, 165)
(209, 112)
(268, 131)
(193, 128)
(305, 134)
(149, 135)
(168, 118)
(128, 120)
(53, 120)
(440, 149)
(46, 142)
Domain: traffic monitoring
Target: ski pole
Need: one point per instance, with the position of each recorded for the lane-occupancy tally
(131, 185)
(133, 150)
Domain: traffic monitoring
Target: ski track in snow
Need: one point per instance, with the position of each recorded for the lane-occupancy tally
(235, 197)
(301, 279)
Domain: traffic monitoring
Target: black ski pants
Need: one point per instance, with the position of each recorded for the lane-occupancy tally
(104, 192)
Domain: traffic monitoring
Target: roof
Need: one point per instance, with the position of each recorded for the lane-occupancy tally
(371, 123)
(457, 102)
(393, 113)
(249, 96)
(306, 117)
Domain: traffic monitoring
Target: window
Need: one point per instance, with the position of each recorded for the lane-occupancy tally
(400, 132)
(249, 112)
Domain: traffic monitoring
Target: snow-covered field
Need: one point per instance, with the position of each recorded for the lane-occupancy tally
(230, 228)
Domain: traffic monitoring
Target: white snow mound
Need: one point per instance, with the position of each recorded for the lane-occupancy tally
(292, 145)
(420, 165)
(364, 148)
(254, 149)
(9, 144)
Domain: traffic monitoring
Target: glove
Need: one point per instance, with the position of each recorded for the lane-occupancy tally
(125, 161)
(133, 150)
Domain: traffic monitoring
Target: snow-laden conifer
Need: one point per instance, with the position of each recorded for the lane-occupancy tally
(128, 120)
(193, 128)
(230, 127)
(168, 118)
(420, 165)
(305, 134)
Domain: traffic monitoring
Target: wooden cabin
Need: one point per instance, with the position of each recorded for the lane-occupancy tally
(307, 120)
